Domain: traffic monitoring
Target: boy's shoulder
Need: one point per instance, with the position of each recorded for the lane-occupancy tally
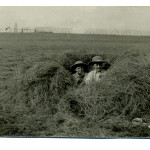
(75, 75)
(91, 72)
(104, 72)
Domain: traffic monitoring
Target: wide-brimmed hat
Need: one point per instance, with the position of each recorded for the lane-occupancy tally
(97, 59)
(78, 63)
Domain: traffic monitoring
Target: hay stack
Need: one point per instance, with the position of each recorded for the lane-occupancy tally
(39, 87)
(122, 94)
(44, 88)
(124, 91)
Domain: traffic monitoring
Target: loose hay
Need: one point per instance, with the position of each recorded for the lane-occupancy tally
(45, 88)
(42, 85)
(36, 90)
(123, 92)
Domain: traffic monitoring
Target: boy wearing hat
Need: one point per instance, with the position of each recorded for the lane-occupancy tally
(98, 72)
(78, 69)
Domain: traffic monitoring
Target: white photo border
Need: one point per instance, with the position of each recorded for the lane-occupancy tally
(73, 144)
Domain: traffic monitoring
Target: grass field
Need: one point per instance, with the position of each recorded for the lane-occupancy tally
(14, 48)
(104, 110)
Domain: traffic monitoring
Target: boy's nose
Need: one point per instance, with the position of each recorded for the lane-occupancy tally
(80, 70)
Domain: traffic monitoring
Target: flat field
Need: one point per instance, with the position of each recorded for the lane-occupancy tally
(14, 48)
(120, 51)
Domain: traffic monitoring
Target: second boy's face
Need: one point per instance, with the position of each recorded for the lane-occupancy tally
(79, 70)
(98, 67)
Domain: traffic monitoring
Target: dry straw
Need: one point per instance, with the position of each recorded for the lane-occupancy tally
(43, 89)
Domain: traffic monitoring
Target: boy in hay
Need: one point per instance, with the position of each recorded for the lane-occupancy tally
(98, 70)
(79, 70)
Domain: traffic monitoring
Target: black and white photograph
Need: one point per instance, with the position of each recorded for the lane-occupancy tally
(75, 71)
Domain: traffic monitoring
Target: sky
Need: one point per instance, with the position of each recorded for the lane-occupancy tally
(77, 17)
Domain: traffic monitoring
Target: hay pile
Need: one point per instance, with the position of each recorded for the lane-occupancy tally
(34, 91)
(123, 92)
(41, 85)
(42, 99)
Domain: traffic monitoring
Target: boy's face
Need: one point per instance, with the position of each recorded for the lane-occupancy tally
(79, 69)
(98, 66)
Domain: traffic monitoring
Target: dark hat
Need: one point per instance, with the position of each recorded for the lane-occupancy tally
(76, 64)
(97, 59)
